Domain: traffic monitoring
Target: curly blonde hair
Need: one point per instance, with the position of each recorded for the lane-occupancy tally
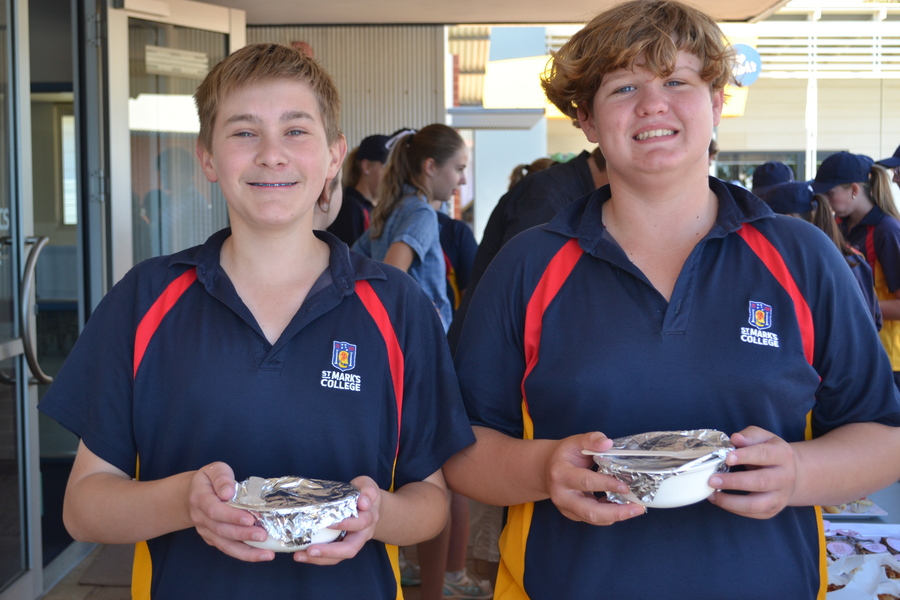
(654, 30)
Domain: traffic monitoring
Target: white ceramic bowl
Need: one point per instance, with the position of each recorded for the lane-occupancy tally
(682, 489)
(323, 536)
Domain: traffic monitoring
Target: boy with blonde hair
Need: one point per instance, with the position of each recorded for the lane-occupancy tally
(269, 351)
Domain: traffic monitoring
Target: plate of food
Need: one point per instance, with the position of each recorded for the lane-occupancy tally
(858, 509)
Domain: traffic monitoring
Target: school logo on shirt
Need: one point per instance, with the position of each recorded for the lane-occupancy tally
(343, 358)
(760, 315)
(761, 319)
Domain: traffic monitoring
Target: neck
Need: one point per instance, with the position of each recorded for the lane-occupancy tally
(367, 191)
(863, 208)
(674, 212)
(274, 259)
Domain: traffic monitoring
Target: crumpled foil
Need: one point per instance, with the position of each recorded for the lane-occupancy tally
(293, 509)
(644, 475)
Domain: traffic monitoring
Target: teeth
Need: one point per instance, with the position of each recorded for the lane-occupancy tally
(271, 184)
(654, 133)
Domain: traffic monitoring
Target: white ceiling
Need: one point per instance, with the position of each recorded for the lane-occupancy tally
(448, 12)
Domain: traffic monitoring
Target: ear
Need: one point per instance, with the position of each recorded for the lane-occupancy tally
(718, 102)
(429, 167)
(337, 151)
(205, 157)
(587, 124)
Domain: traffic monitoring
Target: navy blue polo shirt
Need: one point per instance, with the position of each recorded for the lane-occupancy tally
(459, 246)
(614, 356)
(877, 236)
(318, 403)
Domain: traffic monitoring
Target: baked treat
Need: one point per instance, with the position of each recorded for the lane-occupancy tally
(838, 550)
(834, 509)
(892, 543)
(871, 548)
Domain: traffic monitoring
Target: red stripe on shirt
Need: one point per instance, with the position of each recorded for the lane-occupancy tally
(870, 247)
(775, 263)
(376, 309)
(554, 276)
(151, 320)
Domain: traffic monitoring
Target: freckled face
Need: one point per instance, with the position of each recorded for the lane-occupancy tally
(270, 154)
(646, 124)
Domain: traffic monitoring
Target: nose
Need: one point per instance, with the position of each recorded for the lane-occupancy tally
(651, 100)
(270, 152)
(462, 179)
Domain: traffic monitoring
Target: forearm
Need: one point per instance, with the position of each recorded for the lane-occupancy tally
(415, 513)
(890, 309)
(109, 509)
(845, 464)
(501, 470)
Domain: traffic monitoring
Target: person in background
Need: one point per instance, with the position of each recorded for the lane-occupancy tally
(713, 152)
(210, 366)
(520, 171)
(328, 205)
(459, 246)
(768, 174)
(796, 199)
(859, 192)
(361, 191)
(892, 163)
(666, 301)
(533, 201)
(423, 166)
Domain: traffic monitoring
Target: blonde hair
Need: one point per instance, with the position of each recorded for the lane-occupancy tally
(404, 166)
(614, 39)
(258, 63)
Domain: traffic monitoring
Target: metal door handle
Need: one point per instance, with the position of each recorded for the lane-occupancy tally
(37, 244)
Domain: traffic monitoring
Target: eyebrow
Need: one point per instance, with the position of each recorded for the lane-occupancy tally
(251, 118)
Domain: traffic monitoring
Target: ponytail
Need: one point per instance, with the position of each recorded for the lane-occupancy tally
(404, 167)
(879, 189)
(823, 217)
(354, 173)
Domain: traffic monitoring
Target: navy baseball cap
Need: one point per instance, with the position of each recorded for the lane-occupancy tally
(768, 174)
(840, 169)
(373, 148)
(893, 161)
(789, 198)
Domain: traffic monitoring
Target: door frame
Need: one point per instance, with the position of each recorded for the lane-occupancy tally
(184, 13)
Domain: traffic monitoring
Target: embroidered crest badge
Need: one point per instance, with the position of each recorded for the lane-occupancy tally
(760, 315)
(343, 357)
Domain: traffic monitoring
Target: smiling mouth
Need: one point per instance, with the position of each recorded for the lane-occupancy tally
(273, 184)
(654, 133)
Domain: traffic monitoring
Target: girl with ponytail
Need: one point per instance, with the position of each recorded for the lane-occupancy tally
(423, 166)
(859, 192)
(796, 199)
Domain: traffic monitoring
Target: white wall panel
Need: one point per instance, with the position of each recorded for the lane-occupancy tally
(388, 77)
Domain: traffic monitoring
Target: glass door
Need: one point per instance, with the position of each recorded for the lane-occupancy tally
(19, 499)
(161, 202)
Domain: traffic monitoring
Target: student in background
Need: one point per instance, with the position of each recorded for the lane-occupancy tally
(768, 174)
(796, 199)
(859, 192)
(366, 165)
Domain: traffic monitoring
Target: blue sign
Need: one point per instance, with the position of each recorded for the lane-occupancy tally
(747, 64)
